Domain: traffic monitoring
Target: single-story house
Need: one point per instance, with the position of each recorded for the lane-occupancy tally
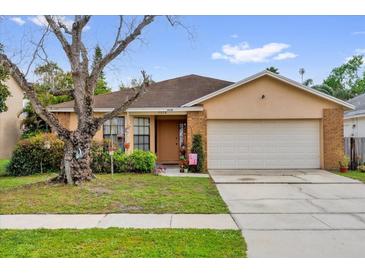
(265, 121)
(10, 121)
(354, 120)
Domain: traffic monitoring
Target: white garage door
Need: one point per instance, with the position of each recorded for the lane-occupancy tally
(263, 144)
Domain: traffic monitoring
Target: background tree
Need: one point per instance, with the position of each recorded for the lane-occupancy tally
(4, 91)
(52, 87)
(101, 85)
(308, 82)
(301, 73)
(77, 143)
(346, 81)
(273, 69)
(137, 82)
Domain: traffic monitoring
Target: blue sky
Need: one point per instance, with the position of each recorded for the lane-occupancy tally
(225, 47)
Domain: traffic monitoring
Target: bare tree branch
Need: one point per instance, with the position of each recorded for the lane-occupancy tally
(57, 31)
(120, 46)
(35, 53)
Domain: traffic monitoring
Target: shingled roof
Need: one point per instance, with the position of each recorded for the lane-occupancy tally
(359, 103)
(169, 93)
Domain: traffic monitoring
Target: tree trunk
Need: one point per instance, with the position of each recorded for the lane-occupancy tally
(76, 162)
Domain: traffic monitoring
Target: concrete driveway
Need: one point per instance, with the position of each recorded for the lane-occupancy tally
(298, 213)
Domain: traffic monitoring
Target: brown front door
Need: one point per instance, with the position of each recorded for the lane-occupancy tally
(168, 141)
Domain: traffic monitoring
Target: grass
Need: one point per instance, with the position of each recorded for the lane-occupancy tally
(125, 193)
(354, 174)
(123, 243)
(7, 182)
(3, 164)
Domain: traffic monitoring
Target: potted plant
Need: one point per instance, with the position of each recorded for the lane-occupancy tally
(182, 163)
(186, 166)
(344, 164)
(361, 168)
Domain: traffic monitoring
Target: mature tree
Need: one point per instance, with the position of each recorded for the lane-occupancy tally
(273, 69)
(101, 85)
(346, 81)
(76, 161)
(4, 91)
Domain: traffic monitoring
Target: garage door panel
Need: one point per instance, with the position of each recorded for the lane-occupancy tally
(267, 144)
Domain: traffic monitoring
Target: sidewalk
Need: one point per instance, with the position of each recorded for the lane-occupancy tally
(80, 221)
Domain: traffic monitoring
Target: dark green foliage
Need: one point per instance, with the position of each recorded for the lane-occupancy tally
(141, 161)
(32, 155)
(4, 91)
(138, 161)
(273, 69)
(197, 147)
(101, 85)
(53, 86)
(345, 81)
(100, 158)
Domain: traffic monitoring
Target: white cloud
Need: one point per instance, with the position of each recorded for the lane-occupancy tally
(41, 21)
(234, 36)
(285, 56)
(243, 53)
(359, 51)
(18, 20)
(358, 33)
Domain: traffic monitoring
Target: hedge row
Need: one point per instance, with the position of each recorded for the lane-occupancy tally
(44, 152)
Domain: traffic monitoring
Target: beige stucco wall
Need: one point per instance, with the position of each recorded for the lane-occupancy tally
(10, 123)
(282, 101)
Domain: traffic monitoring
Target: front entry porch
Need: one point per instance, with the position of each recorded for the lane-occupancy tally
(170, 138)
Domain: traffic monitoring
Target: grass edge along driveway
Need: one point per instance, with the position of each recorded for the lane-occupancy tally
(353, 174)
(122, 243)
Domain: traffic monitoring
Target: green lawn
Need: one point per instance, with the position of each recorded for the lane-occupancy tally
(354, 174)
(126, 243)
(3, 164)
(126, 193)
(7, 182)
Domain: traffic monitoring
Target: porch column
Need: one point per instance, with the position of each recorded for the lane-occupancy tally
(152, 133)
(196, 123)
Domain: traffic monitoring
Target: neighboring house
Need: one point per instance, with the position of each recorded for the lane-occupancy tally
(354, 120)
(265, 121)
(10, 121)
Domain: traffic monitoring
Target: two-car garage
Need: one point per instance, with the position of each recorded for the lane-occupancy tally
(263, 144)
(267, 121)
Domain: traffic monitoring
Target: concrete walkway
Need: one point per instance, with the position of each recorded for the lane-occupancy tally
(80, 221)
(323, 215)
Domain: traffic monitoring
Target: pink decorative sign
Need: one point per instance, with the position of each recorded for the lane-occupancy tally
(193, 159)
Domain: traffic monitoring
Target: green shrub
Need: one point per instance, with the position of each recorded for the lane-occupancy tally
(33, 156)
(197, 147)
(121, 162)
(142, 161)
(100, 158)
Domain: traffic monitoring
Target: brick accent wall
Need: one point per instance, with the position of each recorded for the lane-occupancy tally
(333, 147)
(197, 124)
